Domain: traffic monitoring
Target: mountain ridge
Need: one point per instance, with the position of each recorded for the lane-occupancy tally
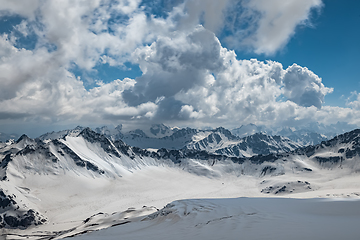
(91, 157)
(217, 141)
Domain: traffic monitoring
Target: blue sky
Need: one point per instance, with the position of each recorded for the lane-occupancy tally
(196, 63)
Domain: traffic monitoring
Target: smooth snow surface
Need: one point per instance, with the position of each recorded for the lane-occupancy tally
(70, 199)
(243, 218)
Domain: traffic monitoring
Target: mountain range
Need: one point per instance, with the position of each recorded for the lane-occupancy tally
(83, 180)
(219, 140)
(309, 134)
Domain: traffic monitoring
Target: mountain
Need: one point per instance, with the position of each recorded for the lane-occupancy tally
(212, 140)
(329, 131)
(15, 214)
(217, 141)
(88, 154)
(61, 134)
(247, 130)
(341, 152)
(310, 134)
(303, 137)
(156, 137)
(111, 133)
(85, 182)
(259, 144)
(221, 141)
(159, 131)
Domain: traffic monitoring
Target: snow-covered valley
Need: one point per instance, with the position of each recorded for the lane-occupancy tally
(85, 182)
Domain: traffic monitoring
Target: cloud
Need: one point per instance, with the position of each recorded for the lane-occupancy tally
(354, 103)
(188, 76)
(82, 31)
(20, 66)
(267, 25)
(24, 8)
(174, 64)
(197, 79)
(263, 25)
(304, 87)
(12, 116)
(211, 13)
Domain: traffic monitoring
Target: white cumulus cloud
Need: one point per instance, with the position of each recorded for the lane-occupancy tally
(267, 25)
(188, 76)
(304, 87)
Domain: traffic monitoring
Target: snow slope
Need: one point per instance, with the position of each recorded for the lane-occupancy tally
(243, 218)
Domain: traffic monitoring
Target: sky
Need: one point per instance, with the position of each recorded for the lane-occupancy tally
(195, 63)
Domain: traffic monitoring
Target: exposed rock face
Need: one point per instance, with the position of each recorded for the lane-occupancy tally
(104, 142)
(289, 187)
(12, 216)
(259, 144)
(160, 130)
(78, 161)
